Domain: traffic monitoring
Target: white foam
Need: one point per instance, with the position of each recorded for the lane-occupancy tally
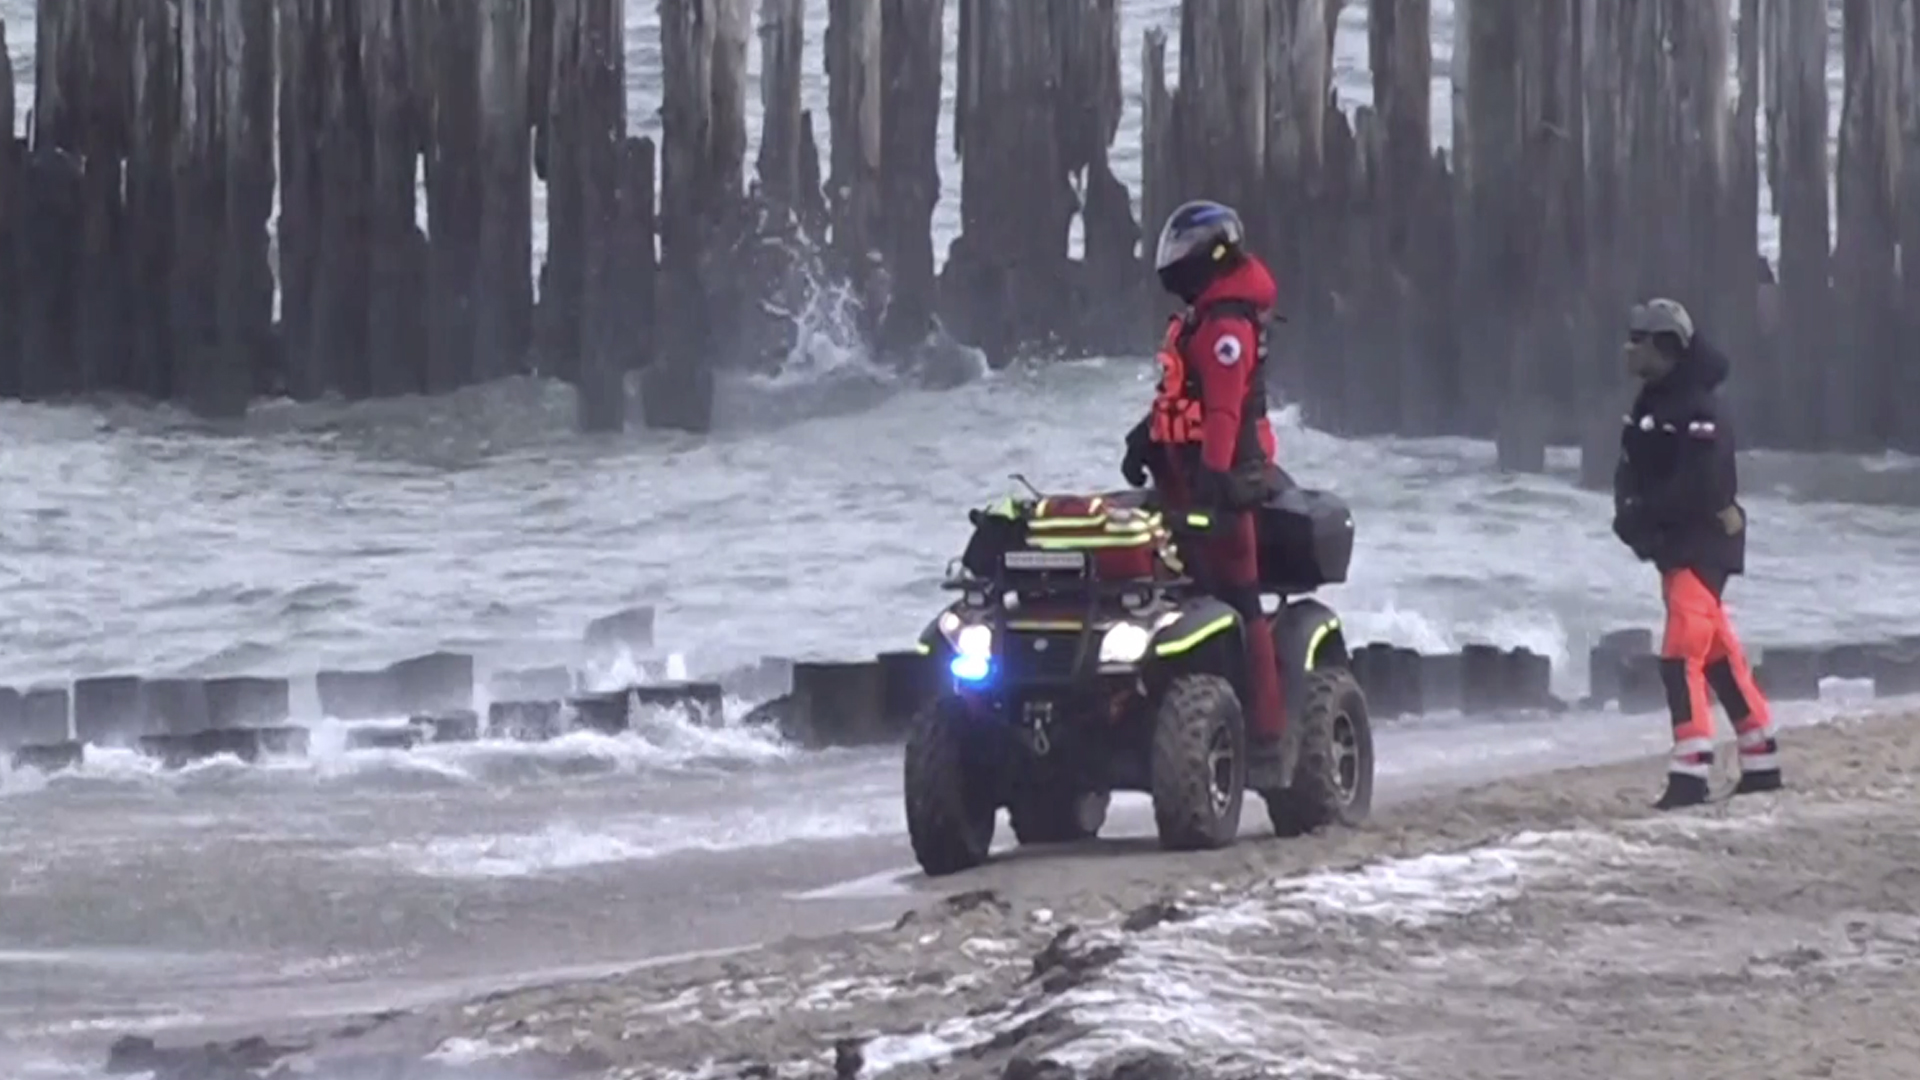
(461, 1051)
(563, 846)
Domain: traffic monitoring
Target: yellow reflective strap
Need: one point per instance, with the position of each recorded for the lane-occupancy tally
(1046, 624)
(1200, 521)
(1319, 635)
(1188, 641)
(923, 648)
(1040, 508)
(1068, 523)
(1078, 543)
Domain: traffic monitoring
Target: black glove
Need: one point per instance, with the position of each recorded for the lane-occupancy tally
(1134, 465)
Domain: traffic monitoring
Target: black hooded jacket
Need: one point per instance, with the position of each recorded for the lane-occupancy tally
(1676, 490)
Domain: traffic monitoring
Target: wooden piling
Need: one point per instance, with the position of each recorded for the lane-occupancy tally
(1859, 411)
(1111, 315)
(783, 35)
(1798, 66)
(450, 88)
(854, 86)
(1006, 277)
(587, 122)
(503, 323)
(732, 30)
(304, 373)
(154, 116)
(9, 216)
(1159, 162)
(397, 338)
(1906, 388)
(680, 387)
(909, 171)
(1222, 104)
(1299, 73)
(1400, 52)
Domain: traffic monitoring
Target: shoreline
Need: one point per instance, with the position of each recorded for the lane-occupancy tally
(1545, 915)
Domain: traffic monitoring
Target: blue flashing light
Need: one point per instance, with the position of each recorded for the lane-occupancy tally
(971, 667)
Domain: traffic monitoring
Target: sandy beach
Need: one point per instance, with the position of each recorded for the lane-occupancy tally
(1550, 927)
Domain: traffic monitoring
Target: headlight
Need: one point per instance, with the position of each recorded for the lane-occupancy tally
(1125, 643)
(975, 640)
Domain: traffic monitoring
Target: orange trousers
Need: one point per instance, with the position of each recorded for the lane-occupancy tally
(1700, 652)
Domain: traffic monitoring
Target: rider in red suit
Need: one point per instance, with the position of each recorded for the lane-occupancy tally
(1207, 439)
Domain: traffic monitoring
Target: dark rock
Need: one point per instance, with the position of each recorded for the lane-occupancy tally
(176, 706)
(768, 677)
(1531, 679)
(1441, 676)
(908, 680)
(1409, 676)
(50, 757)
(244, 1059)
(974, 900)
(848, 1058)
(386, 736)
(630, 630)
(1849, 661)
(609, 713)
(356, 695)
(1155, 914)
(430, 683)
(249, 701)
(1022, 1067)
(45, 715)
(1629, 641)
(452, 726)
(837, 704)
(1144, 1065)
(1482, 679)
(13, 727)
(1064, 963)
(777, 714)
(250, 745)
(526, 721)
(556, 681)
(1373, 668)
(1641, 690)
(1896, 671)
(703, 702)
(1789, 674)
(108, 711)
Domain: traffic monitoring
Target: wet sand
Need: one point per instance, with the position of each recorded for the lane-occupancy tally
(1546, 927)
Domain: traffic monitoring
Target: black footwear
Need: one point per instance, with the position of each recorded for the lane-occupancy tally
(1263, 763)
(1683, 790)
(1759, 763)
(1758, 780)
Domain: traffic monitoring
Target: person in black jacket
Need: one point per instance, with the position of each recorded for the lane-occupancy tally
(1676, 505)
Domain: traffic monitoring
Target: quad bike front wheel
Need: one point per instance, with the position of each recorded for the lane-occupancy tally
(949, 817)
(1057, 815)
(1199, 764)
(1333, 780)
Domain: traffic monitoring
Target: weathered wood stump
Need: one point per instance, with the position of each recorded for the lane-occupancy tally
(909, 172)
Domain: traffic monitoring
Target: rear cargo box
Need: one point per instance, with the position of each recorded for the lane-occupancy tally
(1306, 540)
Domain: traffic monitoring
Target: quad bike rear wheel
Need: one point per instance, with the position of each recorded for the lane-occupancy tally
(1058, 815)
(1333, 780)
(1199, 764)
(950, 817)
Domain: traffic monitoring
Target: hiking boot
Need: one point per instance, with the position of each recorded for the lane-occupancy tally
(1263, 762)
(1758, 781)
(1683, 790)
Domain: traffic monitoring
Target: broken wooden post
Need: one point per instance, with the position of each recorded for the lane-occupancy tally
(307, 374)
(154, 116)
(1299, 75)
(677, 388)
(1400, 51)
(502, 278)
(1112, 318)
(396, 297)
(1859, 409)
(338, 335)
(1798, 65)
(909, 167)
(854, 94)
(9, 220)
(732, 30)
(1222, 105)
(783, 34)
(449, 43)
(587, 121)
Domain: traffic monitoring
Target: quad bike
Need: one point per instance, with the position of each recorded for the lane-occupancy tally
(1085, 660)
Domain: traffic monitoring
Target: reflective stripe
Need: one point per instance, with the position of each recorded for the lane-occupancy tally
(1046, 624)
(1076, 543)
(1200, 521)
(1693, 746)
(1692, 757)
(1319, 635)
(1182, 644)
(1752, 763)
(923, 648)
(1700, 769)
(1757, 738)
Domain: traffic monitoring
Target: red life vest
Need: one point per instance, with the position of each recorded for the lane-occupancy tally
(1179, 409)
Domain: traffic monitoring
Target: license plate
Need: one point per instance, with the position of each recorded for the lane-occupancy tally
(1050, 562)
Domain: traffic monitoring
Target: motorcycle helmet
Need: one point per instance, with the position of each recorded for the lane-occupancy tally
(1200, 239)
